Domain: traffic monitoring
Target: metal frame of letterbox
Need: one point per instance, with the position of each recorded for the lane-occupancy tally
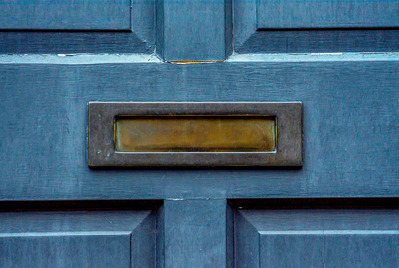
(101, 147)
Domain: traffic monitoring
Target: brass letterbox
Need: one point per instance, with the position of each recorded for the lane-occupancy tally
(124, 134)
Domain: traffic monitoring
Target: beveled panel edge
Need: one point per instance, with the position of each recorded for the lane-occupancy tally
(101, 149)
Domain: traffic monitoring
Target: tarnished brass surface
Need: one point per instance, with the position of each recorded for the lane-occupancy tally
(195, 133)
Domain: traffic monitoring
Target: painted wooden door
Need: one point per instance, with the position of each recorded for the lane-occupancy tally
(340, 58)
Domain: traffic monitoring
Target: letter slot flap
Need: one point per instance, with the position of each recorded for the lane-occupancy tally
(123, 134)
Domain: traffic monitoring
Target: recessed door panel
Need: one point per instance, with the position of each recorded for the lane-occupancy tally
(317, 237)
(77, 239)
(65, 15)
(327, 14)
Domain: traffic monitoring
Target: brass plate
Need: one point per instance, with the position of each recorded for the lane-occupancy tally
(195, 133)
(127, 134)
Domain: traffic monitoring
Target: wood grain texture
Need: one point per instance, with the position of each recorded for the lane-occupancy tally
(143, 239)
(350, 133)
(71, 42)
(65, 14)
(109, 26)
(143, 22)
(321, 41)
(74, 221)
(195, 233)
(199, 31)
(327, 14)
(244, 21)
(324, 26)
(89, 250)
(302, 250)
(78, 238)
(350, 128)
(313, 238)
(377, 249)
(246, 243)
(229, 236)
(160, 239)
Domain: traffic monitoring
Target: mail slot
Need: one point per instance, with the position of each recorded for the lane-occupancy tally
(128, 134)
(195, 133)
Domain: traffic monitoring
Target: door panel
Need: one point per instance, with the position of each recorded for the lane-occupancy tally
(321, 41)
(284, 26)
(65, 15)
(333, 58)
(327, 14)
(61, 250)
(199, 31)
(197, 233)
(350, 128)
(77, 239)
(317, 238)
(90, 26)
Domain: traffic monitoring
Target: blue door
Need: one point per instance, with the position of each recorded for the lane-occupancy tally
(339, 58)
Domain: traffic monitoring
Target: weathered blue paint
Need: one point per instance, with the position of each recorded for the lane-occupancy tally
(315, 26)
(65, 15)
(195, 233)
(326, 14)
(107, 26)
(317, 238)
(319, 41)
(199, 31)
(77, 239)
(41, 42)
(350, 128)
(351, 131)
